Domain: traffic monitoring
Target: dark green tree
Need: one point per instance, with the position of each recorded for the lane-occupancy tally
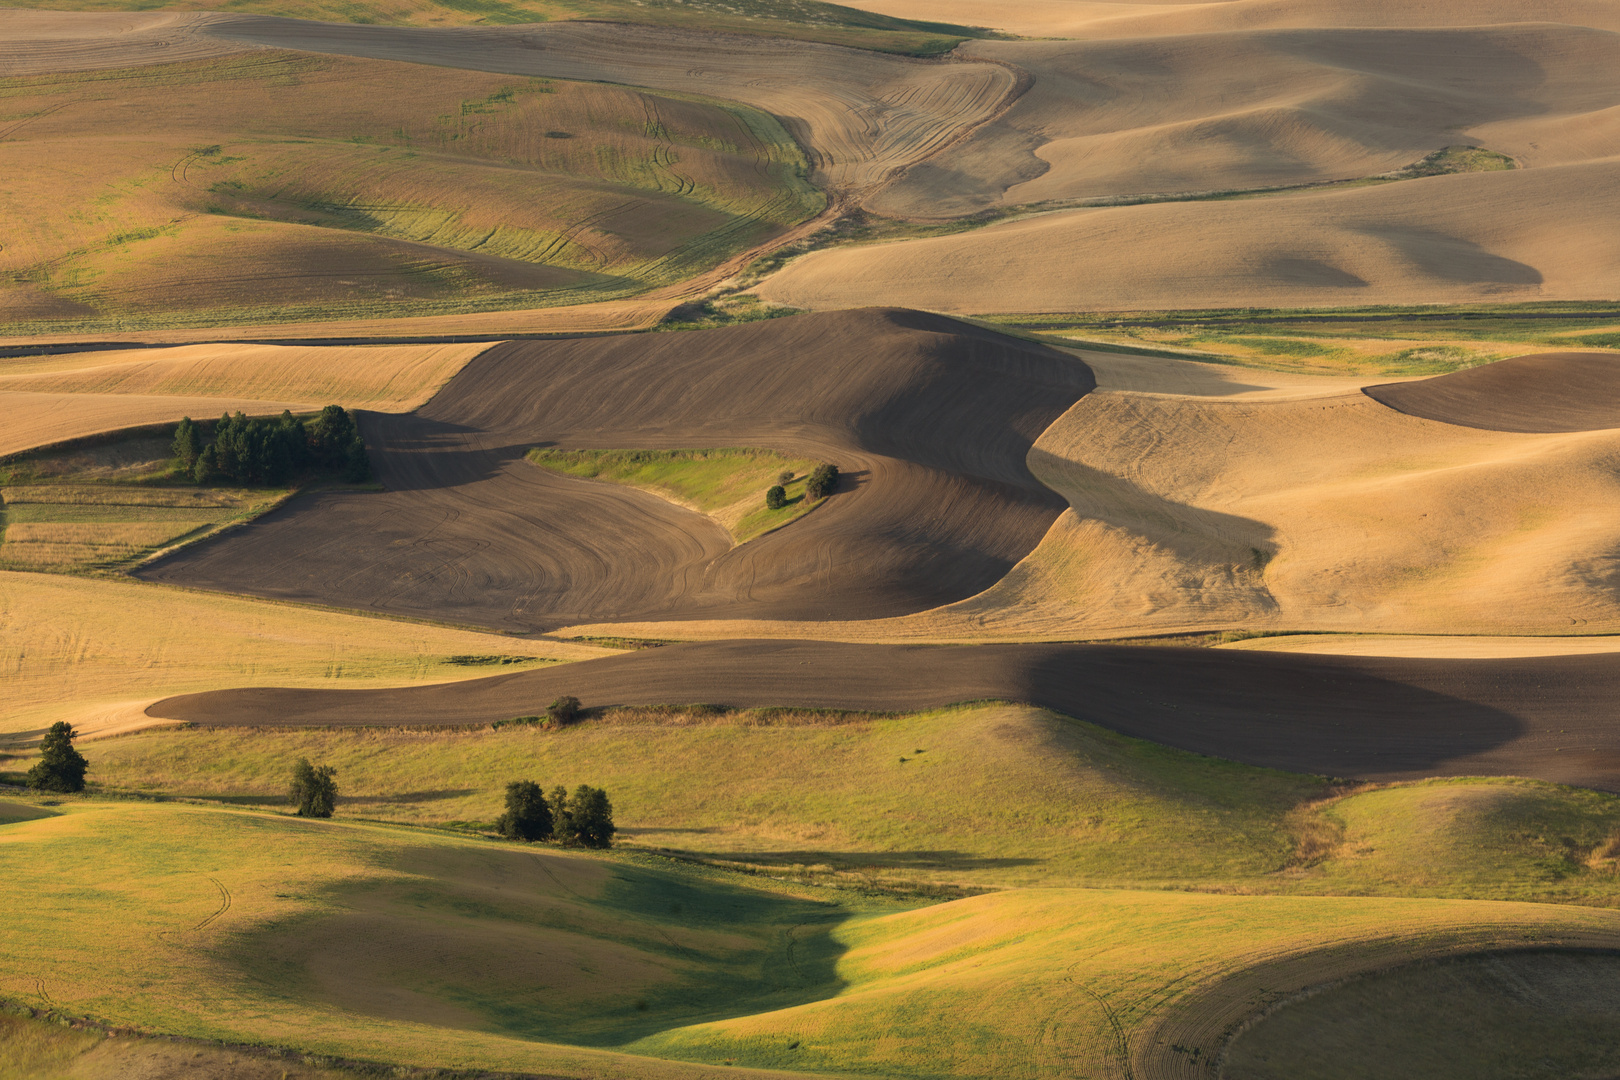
(313, 791)
(776, 498)
(558, 800)
(331, 435)
(821, 482)
(60, 767)
(188, 443)
(527, 817)
(564, 711)
(207, 468)
(590, 818)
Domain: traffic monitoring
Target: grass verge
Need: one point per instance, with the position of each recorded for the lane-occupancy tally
(727, 484)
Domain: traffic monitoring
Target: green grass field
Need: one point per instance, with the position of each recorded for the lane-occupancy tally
(727, 484)
(1358, 341)
(982, 796)
(413, 947)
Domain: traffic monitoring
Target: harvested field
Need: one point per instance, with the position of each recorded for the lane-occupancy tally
(861, 116)
(1150, 18)
(1495, 237)
(29, 419)
(1553, 718)
(929, 421)
(1549, 392)
(58, 398)
(95, 652)
(278, 186)
(1238, 111)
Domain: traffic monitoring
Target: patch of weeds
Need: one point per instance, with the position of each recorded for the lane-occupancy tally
(469, 660)
(725, 311)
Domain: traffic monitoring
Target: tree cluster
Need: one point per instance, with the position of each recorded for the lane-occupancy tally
(314, 789)
(821, 482)
(60, 767)
(583, 819)
(272, 452)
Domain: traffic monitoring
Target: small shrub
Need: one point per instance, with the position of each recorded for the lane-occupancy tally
(527, 817)
(565, 710)
(776, 498)
(313, 791)
(784, 476)
(822, 482)
(60, 768)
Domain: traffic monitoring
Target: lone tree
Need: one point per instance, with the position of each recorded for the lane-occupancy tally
(527, 816)
(776, 498)
(784, 476)
(314, 791)
(821, 482)
(61, 768)
(588, 820)
(565, 710)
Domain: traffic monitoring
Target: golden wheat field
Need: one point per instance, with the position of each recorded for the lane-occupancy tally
(767, 538)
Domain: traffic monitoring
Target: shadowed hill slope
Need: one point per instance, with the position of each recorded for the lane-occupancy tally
(929, 419)
(1540, 394)
(1555, 718)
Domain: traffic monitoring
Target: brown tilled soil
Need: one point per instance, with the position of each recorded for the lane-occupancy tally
(929, 420)
(1556, 718)
(1545, 393)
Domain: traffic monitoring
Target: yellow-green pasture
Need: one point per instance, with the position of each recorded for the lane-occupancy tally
(416, 947)
(727, 484)
(989, 795)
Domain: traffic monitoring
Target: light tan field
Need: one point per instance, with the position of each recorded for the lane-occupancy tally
(97, 652)
(1147, 18)
(1239, 111)
(68, 396)
(861, 115)
(1246, 499)
(1461, 648)
(1481, 237)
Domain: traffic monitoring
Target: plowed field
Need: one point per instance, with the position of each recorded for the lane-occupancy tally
(1549, 392)
(1373, 718)
(929, 420)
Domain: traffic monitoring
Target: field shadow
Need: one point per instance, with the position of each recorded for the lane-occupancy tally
(1350, 717)
(545, 946)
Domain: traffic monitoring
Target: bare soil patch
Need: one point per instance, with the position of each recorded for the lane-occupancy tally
(1374, 718)
(1540, 394)
(929, 421)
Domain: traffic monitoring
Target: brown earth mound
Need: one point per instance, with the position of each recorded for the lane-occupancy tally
(1540, 394)
(929, 420)
(1556, 718)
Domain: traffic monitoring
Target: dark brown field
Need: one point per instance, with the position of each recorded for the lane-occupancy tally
(1554, 718)
(1541, 394)
(928, 418)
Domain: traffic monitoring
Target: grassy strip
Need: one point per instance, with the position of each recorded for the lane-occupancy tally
(1374, 340)
(727, 484)
(988, 795)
